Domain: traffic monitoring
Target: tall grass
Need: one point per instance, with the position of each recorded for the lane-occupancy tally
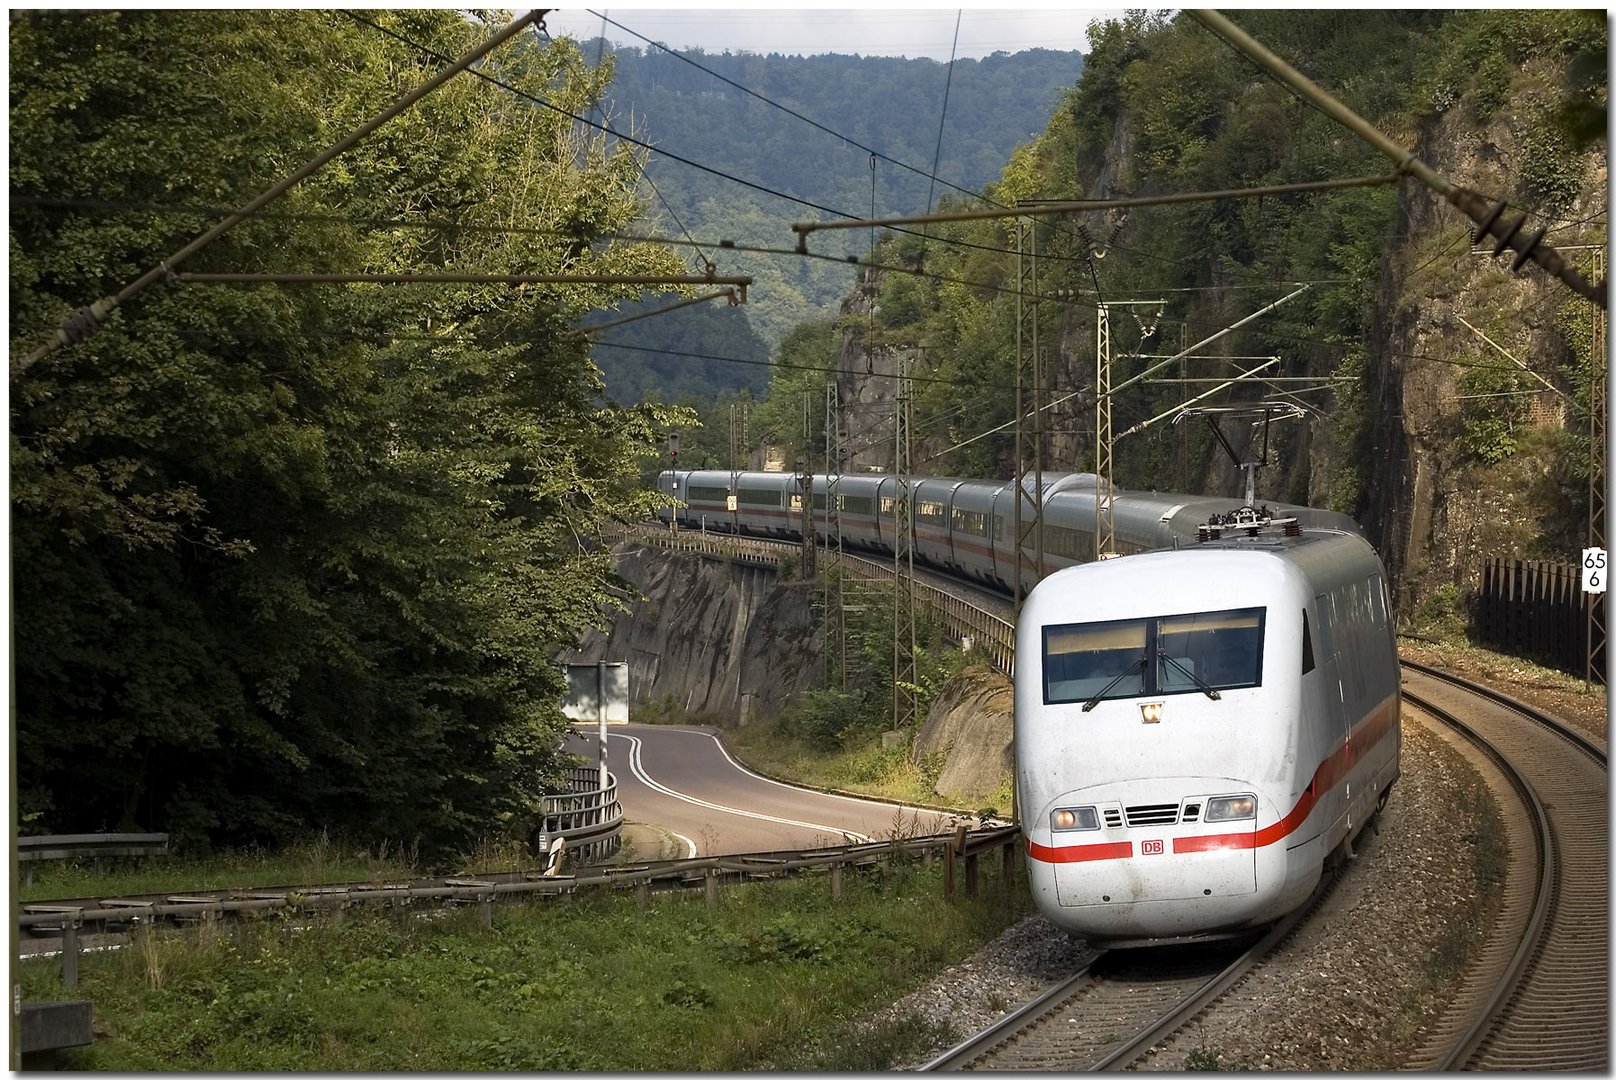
(320, 862)
(777, 975)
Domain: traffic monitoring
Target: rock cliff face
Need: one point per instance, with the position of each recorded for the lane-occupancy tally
(723, 641)
(1437, 510)
(970, 725)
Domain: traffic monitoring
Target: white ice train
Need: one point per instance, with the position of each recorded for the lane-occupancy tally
(1199, 727)
(1200, 730)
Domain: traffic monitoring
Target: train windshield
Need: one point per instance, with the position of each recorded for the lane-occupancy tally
(1171, 654)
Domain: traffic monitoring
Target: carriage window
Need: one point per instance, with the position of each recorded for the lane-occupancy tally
(1172, 654)
(1307, 645)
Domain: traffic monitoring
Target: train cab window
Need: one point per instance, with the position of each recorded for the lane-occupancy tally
(1086, 661)
(1170, 654)
(1221, 649)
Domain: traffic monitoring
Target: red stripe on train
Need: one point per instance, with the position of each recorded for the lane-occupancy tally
(1329, 773)
(1080, 852)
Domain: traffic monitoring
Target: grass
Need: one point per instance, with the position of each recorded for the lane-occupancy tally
(776, 975)
(865, 769)
(322, 862)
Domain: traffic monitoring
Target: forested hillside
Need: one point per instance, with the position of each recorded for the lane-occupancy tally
(770, 168)
(1418, 419)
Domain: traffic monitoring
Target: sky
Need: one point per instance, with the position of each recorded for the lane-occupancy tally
(884, 31)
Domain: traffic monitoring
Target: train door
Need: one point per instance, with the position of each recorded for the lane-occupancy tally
(1337, 724)
(998, 562)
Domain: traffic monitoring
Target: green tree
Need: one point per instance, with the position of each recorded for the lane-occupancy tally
(297, 557)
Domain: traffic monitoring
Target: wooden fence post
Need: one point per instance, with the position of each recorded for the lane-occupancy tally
(70, 951)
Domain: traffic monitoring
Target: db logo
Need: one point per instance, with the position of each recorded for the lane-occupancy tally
(1153, 847)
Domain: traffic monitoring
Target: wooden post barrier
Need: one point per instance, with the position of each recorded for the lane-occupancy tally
(836, 881)
(70, 951)
(951, 851)
(712, 886)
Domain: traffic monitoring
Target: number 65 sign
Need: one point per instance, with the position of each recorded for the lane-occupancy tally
(1593, 569)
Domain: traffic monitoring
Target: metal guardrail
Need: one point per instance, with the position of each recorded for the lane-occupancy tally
(709, 874)
(32, 849)
(586, 821)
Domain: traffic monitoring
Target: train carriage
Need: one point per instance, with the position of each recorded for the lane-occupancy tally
(971, 522)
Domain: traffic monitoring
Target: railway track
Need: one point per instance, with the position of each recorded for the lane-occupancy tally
(1538, 995)
(1123, 1002)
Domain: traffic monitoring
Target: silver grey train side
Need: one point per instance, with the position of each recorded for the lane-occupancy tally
(961, 526)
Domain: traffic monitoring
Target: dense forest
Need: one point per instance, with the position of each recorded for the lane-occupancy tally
(290, 557)
(729, 113)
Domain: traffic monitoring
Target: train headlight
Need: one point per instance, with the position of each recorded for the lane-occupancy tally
(1075, 819)
(1230, 808)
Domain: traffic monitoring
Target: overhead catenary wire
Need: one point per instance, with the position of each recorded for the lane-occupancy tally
(87, 320)
(1489, 222)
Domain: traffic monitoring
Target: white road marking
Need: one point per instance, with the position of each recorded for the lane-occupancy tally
(821, 794)
(645, 778)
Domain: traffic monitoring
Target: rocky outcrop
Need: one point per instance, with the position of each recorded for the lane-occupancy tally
(1437, 511)
(724, 641)
(970, 726)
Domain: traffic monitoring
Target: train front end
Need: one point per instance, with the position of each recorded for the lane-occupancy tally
(1160, 757)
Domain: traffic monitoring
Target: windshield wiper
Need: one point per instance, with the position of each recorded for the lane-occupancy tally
(1194, 678)
(1137, 665)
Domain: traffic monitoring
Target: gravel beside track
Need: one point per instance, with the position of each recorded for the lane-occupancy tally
(1351, 992)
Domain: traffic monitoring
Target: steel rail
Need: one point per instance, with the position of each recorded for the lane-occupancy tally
(1532, 936)
(1027, 1015)
(1559, 727)
(1216, 987)
(1561, 964)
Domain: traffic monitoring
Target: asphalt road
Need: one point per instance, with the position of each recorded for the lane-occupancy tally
(681, 781)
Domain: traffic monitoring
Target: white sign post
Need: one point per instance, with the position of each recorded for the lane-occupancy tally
(1593, 570)
(598, 692)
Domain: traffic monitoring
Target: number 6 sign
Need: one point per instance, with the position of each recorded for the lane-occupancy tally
(1593, 570)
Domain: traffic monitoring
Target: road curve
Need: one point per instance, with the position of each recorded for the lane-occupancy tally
(681, 779)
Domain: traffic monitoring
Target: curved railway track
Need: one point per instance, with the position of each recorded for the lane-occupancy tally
(1538, 995)
(1117, 1006)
